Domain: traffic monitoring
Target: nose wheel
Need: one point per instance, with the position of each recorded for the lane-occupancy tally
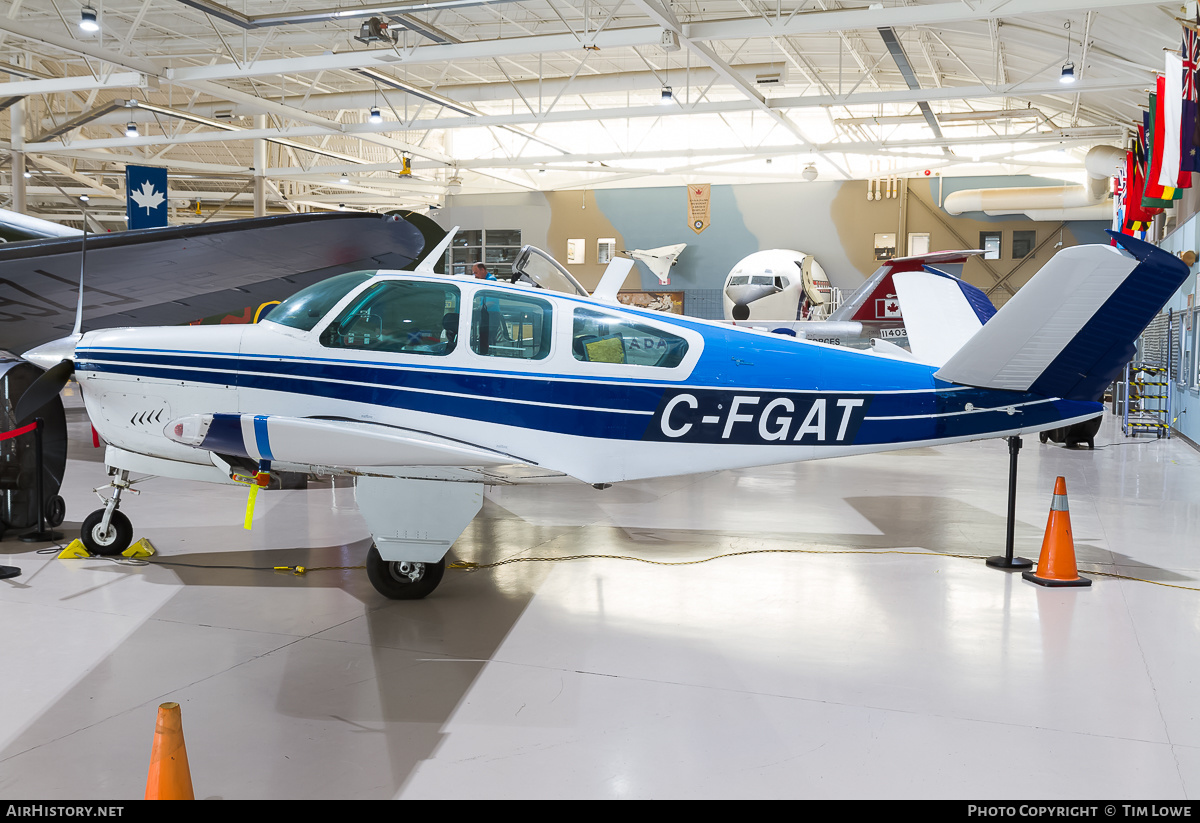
(107, 531)
(404, 579)
(106, 541)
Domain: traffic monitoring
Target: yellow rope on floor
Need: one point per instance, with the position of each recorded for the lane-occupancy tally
(464, 565)
(467, 565)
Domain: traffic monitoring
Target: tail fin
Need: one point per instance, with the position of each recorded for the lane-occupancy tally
(941, 313)
(937, 311)
(863, 303)
(431, 259)
(1070, 330)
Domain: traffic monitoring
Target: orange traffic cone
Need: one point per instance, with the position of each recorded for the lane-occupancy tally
(169, 777)
(1056, 566)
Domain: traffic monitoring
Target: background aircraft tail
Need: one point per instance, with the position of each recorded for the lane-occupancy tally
(1071, 329)
(937, 311)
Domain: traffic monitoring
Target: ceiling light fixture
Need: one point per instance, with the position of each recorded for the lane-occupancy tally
(809, 173)
(131, 130)
(667, 96)
(345, 178)
(88, 21)
(28, 174)
(1068, 69)
(375, 116)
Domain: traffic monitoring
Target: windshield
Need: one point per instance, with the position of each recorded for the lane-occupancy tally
(535, 266)
(304, 309)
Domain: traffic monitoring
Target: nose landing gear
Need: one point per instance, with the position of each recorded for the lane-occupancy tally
(107, 531)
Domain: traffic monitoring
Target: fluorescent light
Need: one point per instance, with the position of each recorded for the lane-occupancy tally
(88, 21)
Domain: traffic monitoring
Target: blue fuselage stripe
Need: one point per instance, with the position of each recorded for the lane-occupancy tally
(573, 406)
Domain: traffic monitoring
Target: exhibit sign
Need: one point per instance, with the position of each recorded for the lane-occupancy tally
(146, 197)
(699, 215)
(668, 301)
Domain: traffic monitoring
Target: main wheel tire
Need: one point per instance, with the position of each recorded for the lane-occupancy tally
(114, 541)
(56, 511)
(395, 580)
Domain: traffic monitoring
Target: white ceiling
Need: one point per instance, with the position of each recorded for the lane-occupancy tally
(513, 95)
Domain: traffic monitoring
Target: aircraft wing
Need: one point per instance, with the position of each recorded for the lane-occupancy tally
(332, 443)
(181, 274)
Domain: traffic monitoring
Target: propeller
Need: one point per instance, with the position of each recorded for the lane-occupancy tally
(43, 390)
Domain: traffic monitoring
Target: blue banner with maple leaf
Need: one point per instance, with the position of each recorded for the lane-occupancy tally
(146, 196)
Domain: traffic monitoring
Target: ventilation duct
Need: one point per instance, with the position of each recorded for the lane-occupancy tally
(1086, 202)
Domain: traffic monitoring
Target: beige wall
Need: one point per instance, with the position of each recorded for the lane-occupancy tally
(574, 214)
(858, 219)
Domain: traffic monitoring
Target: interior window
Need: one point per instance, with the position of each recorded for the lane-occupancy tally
(305, 308)
(399, 316)
(510, 325)
(604, 338)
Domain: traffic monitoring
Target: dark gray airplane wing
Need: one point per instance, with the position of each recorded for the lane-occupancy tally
(180, 274)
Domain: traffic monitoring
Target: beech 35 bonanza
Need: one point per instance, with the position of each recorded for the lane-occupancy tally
(426, 387)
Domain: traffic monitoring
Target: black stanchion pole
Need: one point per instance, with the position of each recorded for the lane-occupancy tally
(42, 535)
(1007, 561)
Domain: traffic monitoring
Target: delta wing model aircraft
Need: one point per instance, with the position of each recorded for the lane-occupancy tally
(659, 260)
(425, 388)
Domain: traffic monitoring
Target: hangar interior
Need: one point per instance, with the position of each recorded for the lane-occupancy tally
(817, 629)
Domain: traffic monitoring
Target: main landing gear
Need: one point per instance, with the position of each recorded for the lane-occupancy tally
(404, 579)
(107, 531)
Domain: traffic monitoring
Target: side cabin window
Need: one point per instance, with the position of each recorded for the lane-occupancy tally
(605, 338)
(412, 317)
(510, 325)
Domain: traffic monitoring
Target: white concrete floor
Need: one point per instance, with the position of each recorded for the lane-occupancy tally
(795, 675)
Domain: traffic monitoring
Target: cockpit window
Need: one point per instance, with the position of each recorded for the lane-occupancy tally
(604, 338)
(412, 317)
(304, 309)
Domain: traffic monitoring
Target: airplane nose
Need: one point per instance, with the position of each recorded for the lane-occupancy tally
(54, 352)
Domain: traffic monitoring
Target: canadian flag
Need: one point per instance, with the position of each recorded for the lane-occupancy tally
(888, 308)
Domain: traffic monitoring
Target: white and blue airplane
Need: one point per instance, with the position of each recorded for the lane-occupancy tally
(425, 388)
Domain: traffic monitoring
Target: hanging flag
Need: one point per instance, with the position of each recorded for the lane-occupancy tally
(699, 198)
(146, 197)
(1137, 215)
(1154, 195)
(1172, 102)
(1190, 140)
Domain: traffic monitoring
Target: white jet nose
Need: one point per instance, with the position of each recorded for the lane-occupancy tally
(54, 352)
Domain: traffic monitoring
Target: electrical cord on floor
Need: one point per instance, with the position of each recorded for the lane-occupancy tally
(467, 565)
